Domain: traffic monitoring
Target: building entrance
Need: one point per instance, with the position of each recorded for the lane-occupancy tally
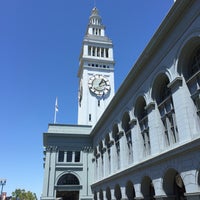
(68, 195)
(68, 187)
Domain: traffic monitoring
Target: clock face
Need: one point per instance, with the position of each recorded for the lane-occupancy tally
(99, 85)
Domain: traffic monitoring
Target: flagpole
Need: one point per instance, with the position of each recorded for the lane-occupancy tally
(56, 110)
(54, 117)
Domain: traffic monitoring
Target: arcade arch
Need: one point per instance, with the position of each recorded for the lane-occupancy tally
(173, 184)
(147, 188)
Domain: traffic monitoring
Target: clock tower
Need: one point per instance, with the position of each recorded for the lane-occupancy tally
(96, 72)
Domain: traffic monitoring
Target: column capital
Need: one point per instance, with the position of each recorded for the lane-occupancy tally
(133, 122)
(51, 148)
(111, 142)
(121, 133)
(175, 84)
(150, 106)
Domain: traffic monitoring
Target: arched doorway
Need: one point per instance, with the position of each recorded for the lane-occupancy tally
(68, 187)
(130, 191)
(108, 193)
(118, 194)
(173, 185)
(147, 188)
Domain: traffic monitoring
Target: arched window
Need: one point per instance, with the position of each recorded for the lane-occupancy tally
(96, 168)
(68, 179)
(101, 150)
(192, 76)
(147, 188)
(173, 184)
(141, 114)
(117, 192)
(130, 190)
(101, 194)
(198, 178)
(116, 137)
(127, 129)
(108, 145)
(163, 97)
(108, 193)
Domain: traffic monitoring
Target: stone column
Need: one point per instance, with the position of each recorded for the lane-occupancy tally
(104, 195)
(65, 156)
(95, 51)
(191, 184)
(112, 192)
(158, 187)
(98, 195)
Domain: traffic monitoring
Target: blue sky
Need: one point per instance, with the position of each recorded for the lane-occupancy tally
(40, 43)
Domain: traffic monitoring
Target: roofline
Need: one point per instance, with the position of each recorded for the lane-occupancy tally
(72, 125)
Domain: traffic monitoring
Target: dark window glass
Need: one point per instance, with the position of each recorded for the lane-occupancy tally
(68, 179)
(61, 156)
(77, 156)
(69, 156)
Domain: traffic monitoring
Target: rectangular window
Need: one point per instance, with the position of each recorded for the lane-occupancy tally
(77, 156)
(102, 52)
(106, 53)
(90, 117)
(98, 103)
(69, 156)
(61, 156)
(93, 51)
(98, 51)
(89, 50)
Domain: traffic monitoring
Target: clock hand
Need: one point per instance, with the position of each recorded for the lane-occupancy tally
(102, 83)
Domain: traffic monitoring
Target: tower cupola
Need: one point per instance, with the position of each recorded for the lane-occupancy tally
(95, 18)
(95, 26)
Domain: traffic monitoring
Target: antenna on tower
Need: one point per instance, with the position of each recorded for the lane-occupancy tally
(94, 3)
